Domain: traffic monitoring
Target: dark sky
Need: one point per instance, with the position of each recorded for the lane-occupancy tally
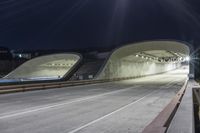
(66, 24)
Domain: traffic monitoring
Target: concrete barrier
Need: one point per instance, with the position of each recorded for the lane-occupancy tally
(53, 85)
(178, 115)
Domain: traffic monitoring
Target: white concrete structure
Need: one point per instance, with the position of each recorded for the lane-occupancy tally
(55, 66)
(145, 58)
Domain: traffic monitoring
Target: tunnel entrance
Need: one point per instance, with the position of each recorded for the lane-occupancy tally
(145, 58)
(49, 67)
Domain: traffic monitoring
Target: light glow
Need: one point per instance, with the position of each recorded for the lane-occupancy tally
(187, 58)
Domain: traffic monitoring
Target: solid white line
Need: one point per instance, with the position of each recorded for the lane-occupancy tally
(48, 106)
(32, 110)
(120, 109)
(103, 117)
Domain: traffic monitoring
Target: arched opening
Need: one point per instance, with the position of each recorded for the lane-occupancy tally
(55, 66)
(145, 58)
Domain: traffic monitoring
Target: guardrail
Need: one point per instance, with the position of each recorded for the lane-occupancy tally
(178, 115)
(59, 84)
(50, 84)
(196, 93)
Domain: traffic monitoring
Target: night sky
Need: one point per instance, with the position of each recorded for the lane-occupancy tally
(68, 24)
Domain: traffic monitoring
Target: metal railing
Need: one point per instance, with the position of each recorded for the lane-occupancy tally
(178, 116)
(162, 121)
(196, 94)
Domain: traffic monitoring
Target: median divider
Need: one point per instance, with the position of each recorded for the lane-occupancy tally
(51, 85)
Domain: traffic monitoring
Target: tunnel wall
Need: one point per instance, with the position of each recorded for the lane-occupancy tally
(55, 66)
(118, 67)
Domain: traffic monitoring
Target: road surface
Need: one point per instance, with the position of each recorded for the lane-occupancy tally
(118, 107)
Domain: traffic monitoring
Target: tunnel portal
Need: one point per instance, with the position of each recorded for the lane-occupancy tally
(55, 66)
(145, 58)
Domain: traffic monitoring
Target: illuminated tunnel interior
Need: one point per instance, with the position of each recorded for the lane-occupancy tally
(133, 60)
(145, 58)
(55, 66)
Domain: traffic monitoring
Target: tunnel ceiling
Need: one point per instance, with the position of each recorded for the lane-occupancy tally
(144, 58)
(157, 51)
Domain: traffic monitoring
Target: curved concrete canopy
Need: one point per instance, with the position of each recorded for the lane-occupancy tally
(144, 58)
(154, 46)
(55, 66)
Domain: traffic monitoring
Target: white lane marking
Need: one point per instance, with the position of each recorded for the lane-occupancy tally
(31, 110)
(48, 106)
(122, 108)
(98, 89)
(103, 117)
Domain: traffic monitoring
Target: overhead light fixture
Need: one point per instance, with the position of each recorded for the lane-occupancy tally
(187, 58)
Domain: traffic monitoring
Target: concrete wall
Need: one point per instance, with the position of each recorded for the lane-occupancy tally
(119, 69)
(54, 66)
(122, 62)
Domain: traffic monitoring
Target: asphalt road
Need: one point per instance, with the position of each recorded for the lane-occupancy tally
(118, 107)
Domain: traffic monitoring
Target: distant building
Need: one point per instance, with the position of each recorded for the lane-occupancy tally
(89, 53)
(5, 54)
(22, 56)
